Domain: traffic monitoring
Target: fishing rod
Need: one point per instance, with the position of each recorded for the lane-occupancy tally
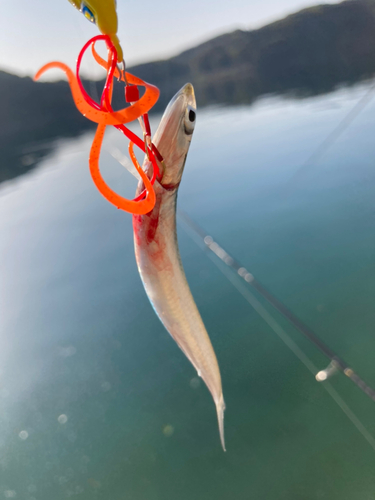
(336, 362)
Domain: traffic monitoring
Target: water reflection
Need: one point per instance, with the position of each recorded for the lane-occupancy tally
(26, 146)
(18, 159)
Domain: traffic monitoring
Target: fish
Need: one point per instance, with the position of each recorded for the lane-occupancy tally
(157, 252)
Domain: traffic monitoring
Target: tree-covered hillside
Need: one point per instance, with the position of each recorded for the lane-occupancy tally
(311, 51)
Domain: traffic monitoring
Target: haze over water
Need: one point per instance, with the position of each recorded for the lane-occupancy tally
(96, 399)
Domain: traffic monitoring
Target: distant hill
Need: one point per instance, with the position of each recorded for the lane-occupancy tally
(311, 51)
(32, 112)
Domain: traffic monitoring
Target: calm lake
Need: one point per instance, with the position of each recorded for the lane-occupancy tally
(97, 401)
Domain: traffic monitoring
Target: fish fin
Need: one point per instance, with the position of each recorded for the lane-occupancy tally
(220, 407)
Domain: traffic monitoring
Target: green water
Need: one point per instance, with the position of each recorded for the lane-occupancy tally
(96, 400)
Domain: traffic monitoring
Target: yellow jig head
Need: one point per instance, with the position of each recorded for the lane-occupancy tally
(103, 14)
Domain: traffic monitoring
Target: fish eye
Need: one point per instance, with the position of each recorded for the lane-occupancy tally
(190, 117)
(87, 13)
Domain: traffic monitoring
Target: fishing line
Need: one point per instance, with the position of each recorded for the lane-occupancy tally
(248, 277)
(198, 234)
(281, 333)
(335, 133)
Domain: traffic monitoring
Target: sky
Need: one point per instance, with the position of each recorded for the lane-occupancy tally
(35, 32)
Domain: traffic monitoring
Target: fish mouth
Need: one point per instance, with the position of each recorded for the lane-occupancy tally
(187, 94)
(174, 114)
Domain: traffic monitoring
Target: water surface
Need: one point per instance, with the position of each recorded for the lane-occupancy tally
(98, 402)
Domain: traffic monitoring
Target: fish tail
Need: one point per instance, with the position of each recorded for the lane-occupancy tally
(220, 407)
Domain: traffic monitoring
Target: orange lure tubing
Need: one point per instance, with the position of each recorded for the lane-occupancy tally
(134, 207)
(104, 115)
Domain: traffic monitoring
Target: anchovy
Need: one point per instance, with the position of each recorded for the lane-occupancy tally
(158, 256)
